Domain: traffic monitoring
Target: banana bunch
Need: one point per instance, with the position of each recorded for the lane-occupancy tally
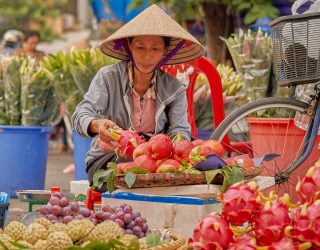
(232, 82)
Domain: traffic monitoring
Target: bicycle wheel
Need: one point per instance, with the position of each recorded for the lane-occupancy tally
(269, 126)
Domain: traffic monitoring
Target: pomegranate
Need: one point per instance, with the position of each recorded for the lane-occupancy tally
(145, 162)
(159, 146)
(169, 165)
(240, 203)
(197, 142)
(181, 150)
(244, 161)
(211, 233)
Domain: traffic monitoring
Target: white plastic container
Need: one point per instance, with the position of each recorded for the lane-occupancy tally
(178, 213)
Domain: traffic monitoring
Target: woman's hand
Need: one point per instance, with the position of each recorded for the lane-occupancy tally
(106, 142)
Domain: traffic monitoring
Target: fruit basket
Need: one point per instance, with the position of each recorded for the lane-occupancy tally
(177, 179)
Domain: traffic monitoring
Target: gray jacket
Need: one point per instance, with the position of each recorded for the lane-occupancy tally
(109, 97)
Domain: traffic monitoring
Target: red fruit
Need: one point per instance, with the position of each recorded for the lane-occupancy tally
(284, 244)
(197, 142)
(127, 141)
(124, 166)
(230, 162)
(240, 203)
(168, 166)
(198, 153)
(212, 233)
(306, 224)
(245, 242)
(181, 150)
(244, 161)
(215, 146)
(158, 163)
(309, 187)
(160, 146)
(141, 149)
(146, 162)
(271, 222)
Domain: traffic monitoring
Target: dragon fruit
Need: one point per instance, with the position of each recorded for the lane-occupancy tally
(245, 242)
(309, 187)
(271, 221)
(127, 141)
(306, 224)
(240, 203)
(212, 233)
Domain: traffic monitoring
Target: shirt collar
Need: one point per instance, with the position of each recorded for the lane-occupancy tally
(151, 92)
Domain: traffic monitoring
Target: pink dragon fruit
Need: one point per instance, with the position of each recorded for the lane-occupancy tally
(127, 141)
(271, 222)
(212, 233)
(245, 242)
(306, 224)
(240, 203)
(309, 187)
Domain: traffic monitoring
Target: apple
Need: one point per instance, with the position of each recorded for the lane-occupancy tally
(244, 161)
(141, 149)
(146, 162)
(160, 146)
(216, 147)
(168, 166)
(181, 150)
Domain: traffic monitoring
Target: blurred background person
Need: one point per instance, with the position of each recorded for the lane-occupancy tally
(11, 41)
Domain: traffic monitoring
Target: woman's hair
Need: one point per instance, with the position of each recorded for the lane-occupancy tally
(31, 33)
(166, 40)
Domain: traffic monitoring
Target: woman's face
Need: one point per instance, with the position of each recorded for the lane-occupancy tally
(31, 44)
(147, 51)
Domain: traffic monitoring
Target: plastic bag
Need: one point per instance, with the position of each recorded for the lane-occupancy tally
(315, 7)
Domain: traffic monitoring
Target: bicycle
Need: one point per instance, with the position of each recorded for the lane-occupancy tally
(296, 56)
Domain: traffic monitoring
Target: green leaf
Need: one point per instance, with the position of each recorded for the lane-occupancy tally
(236, 175)
(111, 180)
(137, 170)
(77, 248)
(130, 179)
(100, 177)
(153, 240)
(210, 174)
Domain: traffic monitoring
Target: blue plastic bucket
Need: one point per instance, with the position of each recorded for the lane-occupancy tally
(80, 149)
(23, 158)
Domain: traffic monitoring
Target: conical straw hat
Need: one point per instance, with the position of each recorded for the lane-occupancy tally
(154, 21)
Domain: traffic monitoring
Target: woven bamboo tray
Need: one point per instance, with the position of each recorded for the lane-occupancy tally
(178, 179)
(178, 241)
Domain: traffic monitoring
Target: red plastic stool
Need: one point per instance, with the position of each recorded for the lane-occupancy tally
(93, 197)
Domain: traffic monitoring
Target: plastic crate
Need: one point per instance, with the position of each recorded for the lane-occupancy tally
(3, 213)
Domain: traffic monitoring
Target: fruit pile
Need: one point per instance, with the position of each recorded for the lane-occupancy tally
(160, 154)
(60, 210)
(42, 234)
(249, 220)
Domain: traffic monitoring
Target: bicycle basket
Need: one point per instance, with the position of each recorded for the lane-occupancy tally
(296, 49)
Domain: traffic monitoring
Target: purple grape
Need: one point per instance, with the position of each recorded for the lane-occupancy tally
(135, 215)
(106, 215)
(85, 211)
(49, 208)
(98, 215)
(127, 218)
(123, 205)
(144, 227)
(67, 219)
(43, 210)
(79, 217)
(139, 221)
(106, 208)
(137, 230)
(128, 231)
(113, 217)
(120, 215)
(131, 225)
(64, 202)
(119, 209)
(75, 206)
(54, 201)
(52, 217)
(141, 235)
(94, 221)
(57, 210)
(127, 209)
(58, 195)
(120, 222)
(67, 211)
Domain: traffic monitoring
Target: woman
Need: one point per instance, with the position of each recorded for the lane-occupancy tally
(135, 93)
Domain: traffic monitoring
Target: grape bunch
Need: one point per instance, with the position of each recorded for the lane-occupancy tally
(131, 221)
(59, 209)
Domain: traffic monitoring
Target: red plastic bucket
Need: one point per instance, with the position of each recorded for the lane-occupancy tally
(286, 143)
